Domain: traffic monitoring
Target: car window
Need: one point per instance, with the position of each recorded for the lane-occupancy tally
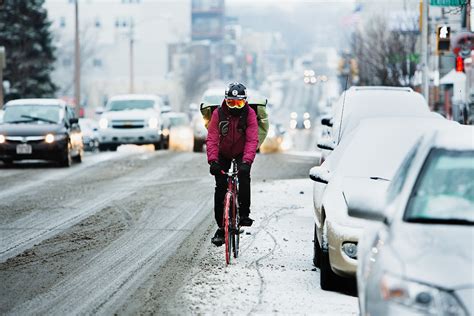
(444, 189)
(121, 105)
(401, 175)
(71, 112)
(179, 121)
(32, 114)
(213, 99)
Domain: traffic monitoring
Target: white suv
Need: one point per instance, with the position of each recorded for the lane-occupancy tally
(131, 119)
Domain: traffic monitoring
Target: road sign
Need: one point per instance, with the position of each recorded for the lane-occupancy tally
(448, 3)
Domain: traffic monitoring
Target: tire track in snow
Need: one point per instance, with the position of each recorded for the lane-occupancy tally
(110, 277)
(27, 231)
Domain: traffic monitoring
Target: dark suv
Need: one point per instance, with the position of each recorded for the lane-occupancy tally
(45, 129)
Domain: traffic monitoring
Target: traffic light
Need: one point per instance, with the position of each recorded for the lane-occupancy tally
(459, 64)
(443, 38)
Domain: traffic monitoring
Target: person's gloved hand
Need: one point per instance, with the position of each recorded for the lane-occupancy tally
(244, 169)
(215, 168)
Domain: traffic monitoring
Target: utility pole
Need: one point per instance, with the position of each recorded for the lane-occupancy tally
(425, 88)
(2, 66)
(77, 61)
(468, 15)
(131, 61)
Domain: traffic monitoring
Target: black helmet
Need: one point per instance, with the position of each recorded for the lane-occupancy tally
(236, 90)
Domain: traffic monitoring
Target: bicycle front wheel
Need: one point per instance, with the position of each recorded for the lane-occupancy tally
(227, 227)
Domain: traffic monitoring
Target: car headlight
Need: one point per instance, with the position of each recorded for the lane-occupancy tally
(51, 138)
(2, 139)
(153, 122)
(350, 249)
(103, 123)
(420, 297)
(293, 124)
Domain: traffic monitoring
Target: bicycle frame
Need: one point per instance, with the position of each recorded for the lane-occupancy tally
(231, 213)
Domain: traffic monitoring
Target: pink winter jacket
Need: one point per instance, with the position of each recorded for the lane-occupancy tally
(234, 143)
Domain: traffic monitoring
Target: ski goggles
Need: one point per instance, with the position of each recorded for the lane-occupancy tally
(235, 103)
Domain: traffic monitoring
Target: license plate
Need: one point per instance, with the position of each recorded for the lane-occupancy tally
(24, 149)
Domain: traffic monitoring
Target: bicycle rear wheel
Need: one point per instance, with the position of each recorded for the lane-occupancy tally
(227, 227)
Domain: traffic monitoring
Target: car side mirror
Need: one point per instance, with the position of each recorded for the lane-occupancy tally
(99, 110)
(326, 144)
(366, 199)
(73, 120)
(320, 174)
(326, 122)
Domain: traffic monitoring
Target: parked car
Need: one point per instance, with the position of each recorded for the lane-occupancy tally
(131, 119)
(419, 259)
(358, 103)
(370, 155)
(90, 134)
(199, 132)
(300, 121)
(274, 140)
(178, 127)
(43, 129)
(1, 116)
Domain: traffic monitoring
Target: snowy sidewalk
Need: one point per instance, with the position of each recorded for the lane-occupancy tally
(274, 272)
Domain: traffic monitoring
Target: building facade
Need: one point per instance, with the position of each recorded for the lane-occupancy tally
(124, 46)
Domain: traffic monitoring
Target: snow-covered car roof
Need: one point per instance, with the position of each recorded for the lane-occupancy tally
(377, 146)
(459, 137)
(371, 102)
(134, 97)
(36, 102)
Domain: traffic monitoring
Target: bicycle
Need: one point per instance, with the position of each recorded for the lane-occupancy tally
(231, 213)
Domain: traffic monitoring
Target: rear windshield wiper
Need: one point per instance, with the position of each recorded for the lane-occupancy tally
(34, 118)
(379, 178)
(446, 221)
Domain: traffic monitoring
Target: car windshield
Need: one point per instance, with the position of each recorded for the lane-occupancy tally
(32, 114)
(120, 105)
(213, 99)
(179, 121)
(444, 192)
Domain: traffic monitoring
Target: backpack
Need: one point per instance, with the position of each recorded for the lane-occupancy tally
(260, 108)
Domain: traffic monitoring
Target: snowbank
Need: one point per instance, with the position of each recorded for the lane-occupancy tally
(274, 272)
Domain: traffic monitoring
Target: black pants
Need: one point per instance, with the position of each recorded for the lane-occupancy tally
(221, 189)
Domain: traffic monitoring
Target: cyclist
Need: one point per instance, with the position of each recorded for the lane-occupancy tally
(232, 134)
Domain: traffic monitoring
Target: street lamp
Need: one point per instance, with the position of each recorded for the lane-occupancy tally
(77, 60)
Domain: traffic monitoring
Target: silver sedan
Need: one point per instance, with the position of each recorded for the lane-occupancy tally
(419, 259)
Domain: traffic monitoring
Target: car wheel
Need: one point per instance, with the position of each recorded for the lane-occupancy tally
(7, 162)
(113, 147)
(197, 147)
(78, 158)
(103, 147)
(329, 281)
(316, 249)
(66, 160)
(158, 146)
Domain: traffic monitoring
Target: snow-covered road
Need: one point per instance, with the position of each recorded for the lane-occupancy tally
(128, 233)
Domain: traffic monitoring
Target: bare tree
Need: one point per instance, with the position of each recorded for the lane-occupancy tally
(385, 53)
(88, 50)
